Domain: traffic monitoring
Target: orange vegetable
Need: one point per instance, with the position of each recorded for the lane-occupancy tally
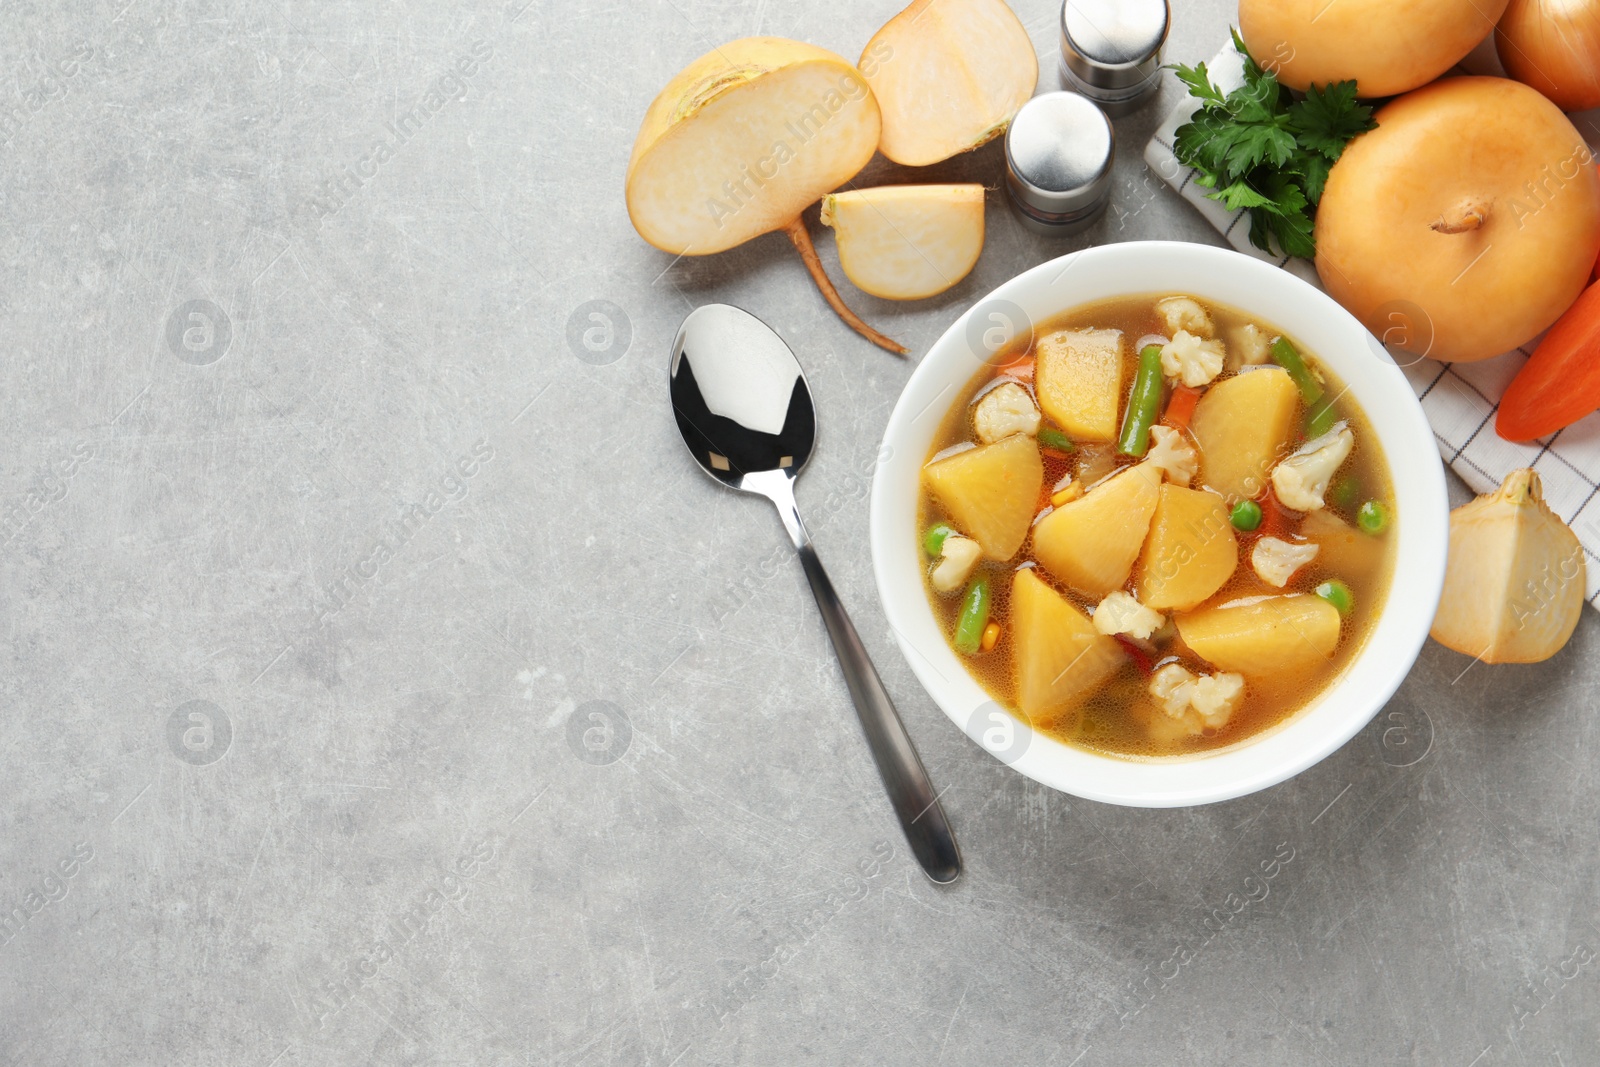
(1560, 384)
(1020, 369)
(1180, 407)
(1277, 520)
(1073, 490)
(1140, 657)
(991, 637)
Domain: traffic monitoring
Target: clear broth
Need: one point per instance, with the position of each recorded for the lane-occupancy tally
(1117, 719)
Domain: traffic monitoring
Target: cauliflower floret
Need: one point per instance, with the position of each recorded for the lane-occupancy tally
(1199, 701)
(1216, 697)
(1171, 685)
(1005, 410)
(1120, 613)
(1301, 480)
(1184, 313)
(957, 556)
(1276, 560)
(1195, 360)
(1173, 453)
(1252, 345)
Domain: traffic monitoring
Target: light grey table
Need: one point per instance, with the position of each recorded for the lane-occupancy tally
(384, 686)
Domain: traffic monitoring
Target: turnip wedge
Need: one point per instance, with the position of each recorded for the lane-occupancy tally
(742, 141)
(1514, 584)
(906, 242)
(949, 76)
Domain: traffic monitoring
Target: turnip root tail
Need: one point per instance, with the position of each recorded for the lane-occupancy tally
(1464, 218)
(801, 237)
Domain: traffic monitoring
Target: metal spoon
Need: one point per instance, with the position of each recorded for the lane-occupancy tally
(744, 411)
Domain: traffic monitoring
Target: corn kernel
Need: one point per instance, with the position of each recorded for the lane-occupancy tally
(991, 637)
(1066, 495)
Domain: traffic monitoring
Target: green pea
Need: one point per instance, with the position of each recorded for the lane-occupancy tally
(1346, 491)
(933, 540)
(1050, 437)
(1246, 515)
(1372, 517)
(974, 616)
(1338, 594)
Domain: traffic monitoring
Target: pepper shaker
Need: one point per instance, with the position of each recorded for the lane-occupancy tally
(1111, 50)
(1059, 151)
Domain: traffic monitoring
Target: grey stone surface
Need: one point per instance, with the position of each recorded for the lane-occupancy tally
(384, 686)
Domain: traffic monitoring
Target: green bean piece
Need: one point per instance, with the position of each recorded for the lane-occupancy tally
(1246, 515)
(933, 540)
(974, 616)
(1285, 355)
(1321, 419)
(1346, 491)
(1372, 517)
(1050, 437)
(1144, 404)
(1338, 594)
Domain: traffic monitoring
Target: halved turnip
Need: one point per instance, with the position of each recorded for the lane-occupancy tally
(949, 75)
(742, 141)
(905, 242)
(1475, 200)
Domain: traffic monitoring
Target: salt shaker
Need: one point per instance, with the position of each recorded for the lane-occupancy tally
(1111, 50)
(1059, 151)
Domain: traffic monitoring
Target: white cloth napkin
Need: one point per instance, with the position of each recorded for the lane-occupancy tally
(1459, 398)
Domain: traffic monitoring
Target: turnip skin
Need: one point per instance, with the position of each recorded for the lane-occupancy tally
(1387, 48)
(1477, 202)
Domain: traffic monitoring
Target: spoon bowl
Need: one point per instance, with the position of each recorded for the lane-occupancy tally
(742, 405)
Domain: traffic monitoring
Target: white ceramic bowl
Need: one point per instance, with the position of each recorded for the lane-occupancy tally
(1335, 338)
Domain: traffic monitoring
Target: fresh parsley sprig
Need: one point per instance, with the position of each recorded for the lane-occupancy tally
(1261, 149)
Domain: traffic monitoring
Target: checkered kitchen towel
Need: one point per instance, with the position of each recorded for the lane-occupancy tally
(1459, 398)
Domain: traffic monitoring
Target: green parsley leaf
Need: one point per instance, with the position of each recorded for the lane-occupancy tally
(1199, 82)
(1251, 146)
(1263, 150)
(1202, 143)
(1240, 195)
(1252, 70)
(1327, 119)
(1312, 169)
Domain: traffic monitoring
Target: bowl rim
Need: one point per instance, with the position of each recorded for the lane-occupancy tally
(1336, 339)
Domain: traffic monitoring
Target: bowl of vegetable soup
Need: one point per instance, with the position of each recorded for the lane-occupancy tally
(1159, 524)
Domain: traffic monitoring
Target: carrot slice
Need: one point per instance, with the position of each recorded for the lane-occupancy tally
(1140, 657)
(1560, 383)
(1595, 276)
(1277, 520)
(1181, 407)
(1020, 369)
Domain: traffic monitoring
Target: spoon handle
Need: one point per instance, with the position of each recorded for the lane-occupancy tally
(915, 802)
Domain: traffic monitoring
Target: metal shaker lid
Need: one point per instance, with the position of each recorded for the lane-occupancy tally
(1114, 45)
(1059, 151)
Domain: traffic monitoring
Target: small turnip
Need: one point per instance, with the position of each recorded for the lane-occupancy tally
(1475, 200)
(1385, 47)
